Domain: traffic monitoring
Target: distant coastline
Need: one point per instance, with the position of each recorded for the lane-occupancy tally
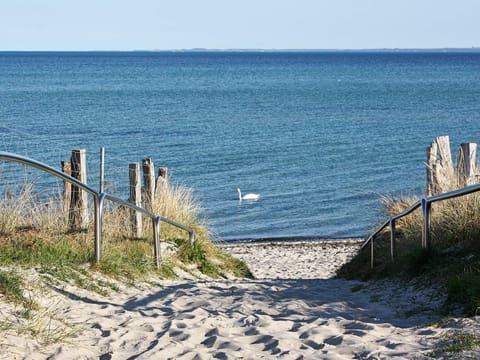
(233, 50)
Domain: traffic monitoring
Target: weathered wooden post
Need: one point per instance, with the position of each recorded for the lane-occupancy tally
(67, 187)
(444, 167)
(440, 172)
(163, 173)
(135, 198)
(78, 216)
(148, 183)
(467, 164)
(445, 156)
(431, 169)
(161, 182)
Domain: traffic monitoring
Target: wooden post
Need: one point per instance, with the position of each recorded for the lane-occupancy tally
(148, 183)
(78, 216)
(163, 173)
(467, 164)
(161, 182)
(445, 173)
(135, 198)
(67, 187)
(431, 169)
(445, 153)
(440, 172)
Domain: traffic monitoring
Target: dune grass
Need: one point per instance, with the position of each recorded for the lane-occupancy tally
(454, 257)
(457, 344)
(34, 230)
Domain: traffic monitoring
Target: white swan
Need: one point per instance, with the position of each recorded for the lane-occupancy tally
(247, 196)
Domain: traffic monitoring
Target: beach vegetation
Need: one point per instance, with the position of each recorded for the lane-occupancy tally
(457, 343)
(12, 288)
(34, 232)
(24, 316)
(452, 262)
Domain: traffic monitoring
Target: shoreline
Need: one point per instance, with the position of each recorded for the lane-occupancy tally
(289, 240)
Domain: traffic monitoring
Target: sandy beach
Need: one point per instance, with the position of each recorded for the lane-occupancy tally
(292, 310)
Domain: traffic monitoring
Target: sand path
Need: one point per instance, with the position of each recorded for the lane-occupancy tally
(283, 314)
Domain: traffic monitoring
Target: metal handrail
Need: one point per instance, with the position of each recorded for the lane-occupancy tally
(99, 199)
(406, 212)
(426, 204)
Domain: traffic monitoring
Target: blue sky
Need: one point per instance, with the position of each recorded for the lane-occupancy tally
(224, 24)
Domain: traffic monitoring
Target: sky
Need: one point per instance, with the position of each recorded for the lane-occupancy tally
(79, 25)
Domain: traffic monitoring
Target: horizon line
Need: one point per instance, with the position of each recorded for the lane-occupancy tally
(199, 49)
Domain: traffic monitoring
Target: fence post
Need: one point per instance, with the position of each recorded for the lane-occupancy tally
(78, 217)
(431, 169)
(148, 183)
(445, 155)
(467, 163)
(163, 173)
(135, 198)
(392, 239)
(426, 210)
(67, 187)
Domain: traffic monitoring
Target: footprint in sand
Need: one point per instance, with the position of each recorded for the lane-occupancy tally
(103, 333)
(314, 345)
(270, 344)
(178, 335)
(334, 340)
(252, 332)
(209, 341)
(211, 338)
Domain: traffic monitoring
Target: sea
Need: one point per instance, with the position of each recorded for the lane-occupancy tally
(321, 136)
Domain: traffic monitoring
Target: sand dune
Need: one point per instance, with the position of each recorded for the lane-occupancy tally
(291, 311)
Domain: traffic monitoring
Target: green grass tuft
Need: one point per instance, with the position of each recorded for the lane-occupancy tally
(12, 286)
(457, 343)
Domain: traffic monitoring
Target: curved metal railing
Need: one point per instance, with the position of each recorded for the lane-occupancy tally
(426, 205)
(98, 200)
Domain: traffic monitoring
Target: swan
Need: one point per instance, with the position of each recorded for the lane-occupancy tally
(247, 196)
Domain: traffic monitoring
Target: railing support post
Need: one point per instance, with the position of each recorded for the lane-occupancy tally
(426, 212)
(98, 200)
(156, 240)
(102, 169)
(392, 239)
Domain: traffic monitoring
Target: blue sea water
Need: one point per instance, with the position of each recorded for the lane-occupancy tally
(319, 135)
